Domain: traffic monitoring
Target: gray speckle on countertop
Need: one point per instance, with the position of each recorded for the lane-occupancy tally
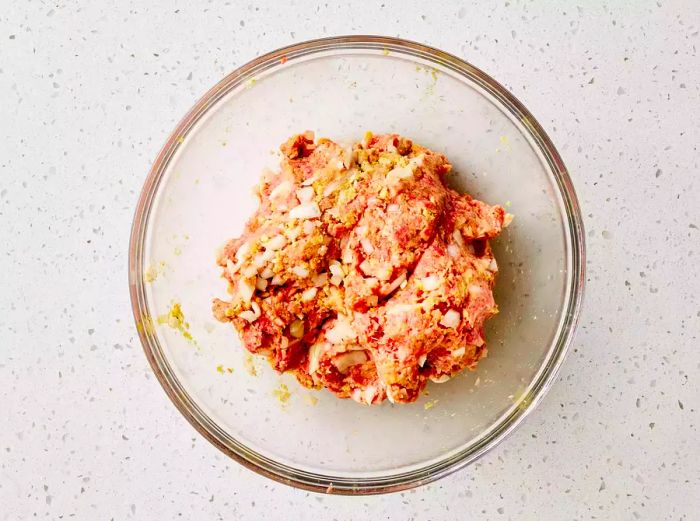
(90, 91)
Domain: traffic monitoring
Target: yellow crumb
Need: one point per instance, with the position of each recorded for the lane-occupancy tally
(176, 320)
(249, 364)
(282, 393)
(220, 368)
(430, 405)
(150, 274)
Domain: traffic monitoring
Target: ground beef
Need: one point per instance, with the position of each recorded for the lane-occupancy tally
(361, 271)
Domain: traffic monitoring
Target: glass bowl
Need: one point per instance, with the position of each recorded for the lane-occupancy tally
(198, 195)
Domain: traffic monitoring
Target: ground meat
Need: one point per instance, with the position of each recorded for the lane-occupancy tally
(361, 272)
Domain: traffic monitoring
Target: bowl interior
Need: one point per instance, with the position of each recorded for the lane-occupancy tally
(204, 197)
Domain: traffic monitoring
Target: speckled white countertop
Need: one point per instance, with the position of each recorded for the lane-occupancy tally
(89, 92)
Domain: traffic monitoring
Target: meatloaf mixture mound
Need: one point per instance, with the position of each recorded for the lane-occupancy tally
(361, 271)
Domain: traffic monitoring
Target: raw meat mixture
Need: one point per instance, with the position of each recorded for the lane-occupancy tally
(361, 272)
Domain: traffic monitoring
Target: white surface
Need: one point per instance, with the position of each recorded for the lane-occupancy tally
(89, 94)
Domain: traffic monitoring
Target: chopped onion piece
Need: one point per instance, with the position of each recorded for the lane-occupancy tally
(311, 180)
(305, 194)
(232, 268)
(398, 281)
(369, 393)
(293, 233)
(309, 294)
(259, 260)
(249, 271)
(296, 328)
(314, 354)
(366, 267)
(281, 189)
(300, 271)
(404, 172)
(367, 245)
(248, 315)
(400, 308)
(475, 290)
(347, 256)
(347, 155)
(457, 353)
(267, 273)
(345, 361)
(453, 250)
(336, 270)
(305, 211)
(357, 395)
(440, 379)
(261, 284)
(277, 280)
(243, 249)
(457, 236)
(276, 243)
(398, 173)
(493, 265)
(245, 290)
(340, 332)
(383, 272)
(332, 187)
(309, 226)
(422, 359)
(431, 282)
(451, 319)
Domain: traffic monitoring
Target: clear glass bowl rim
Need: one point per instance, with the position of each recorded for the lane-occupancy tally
(339, 484)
